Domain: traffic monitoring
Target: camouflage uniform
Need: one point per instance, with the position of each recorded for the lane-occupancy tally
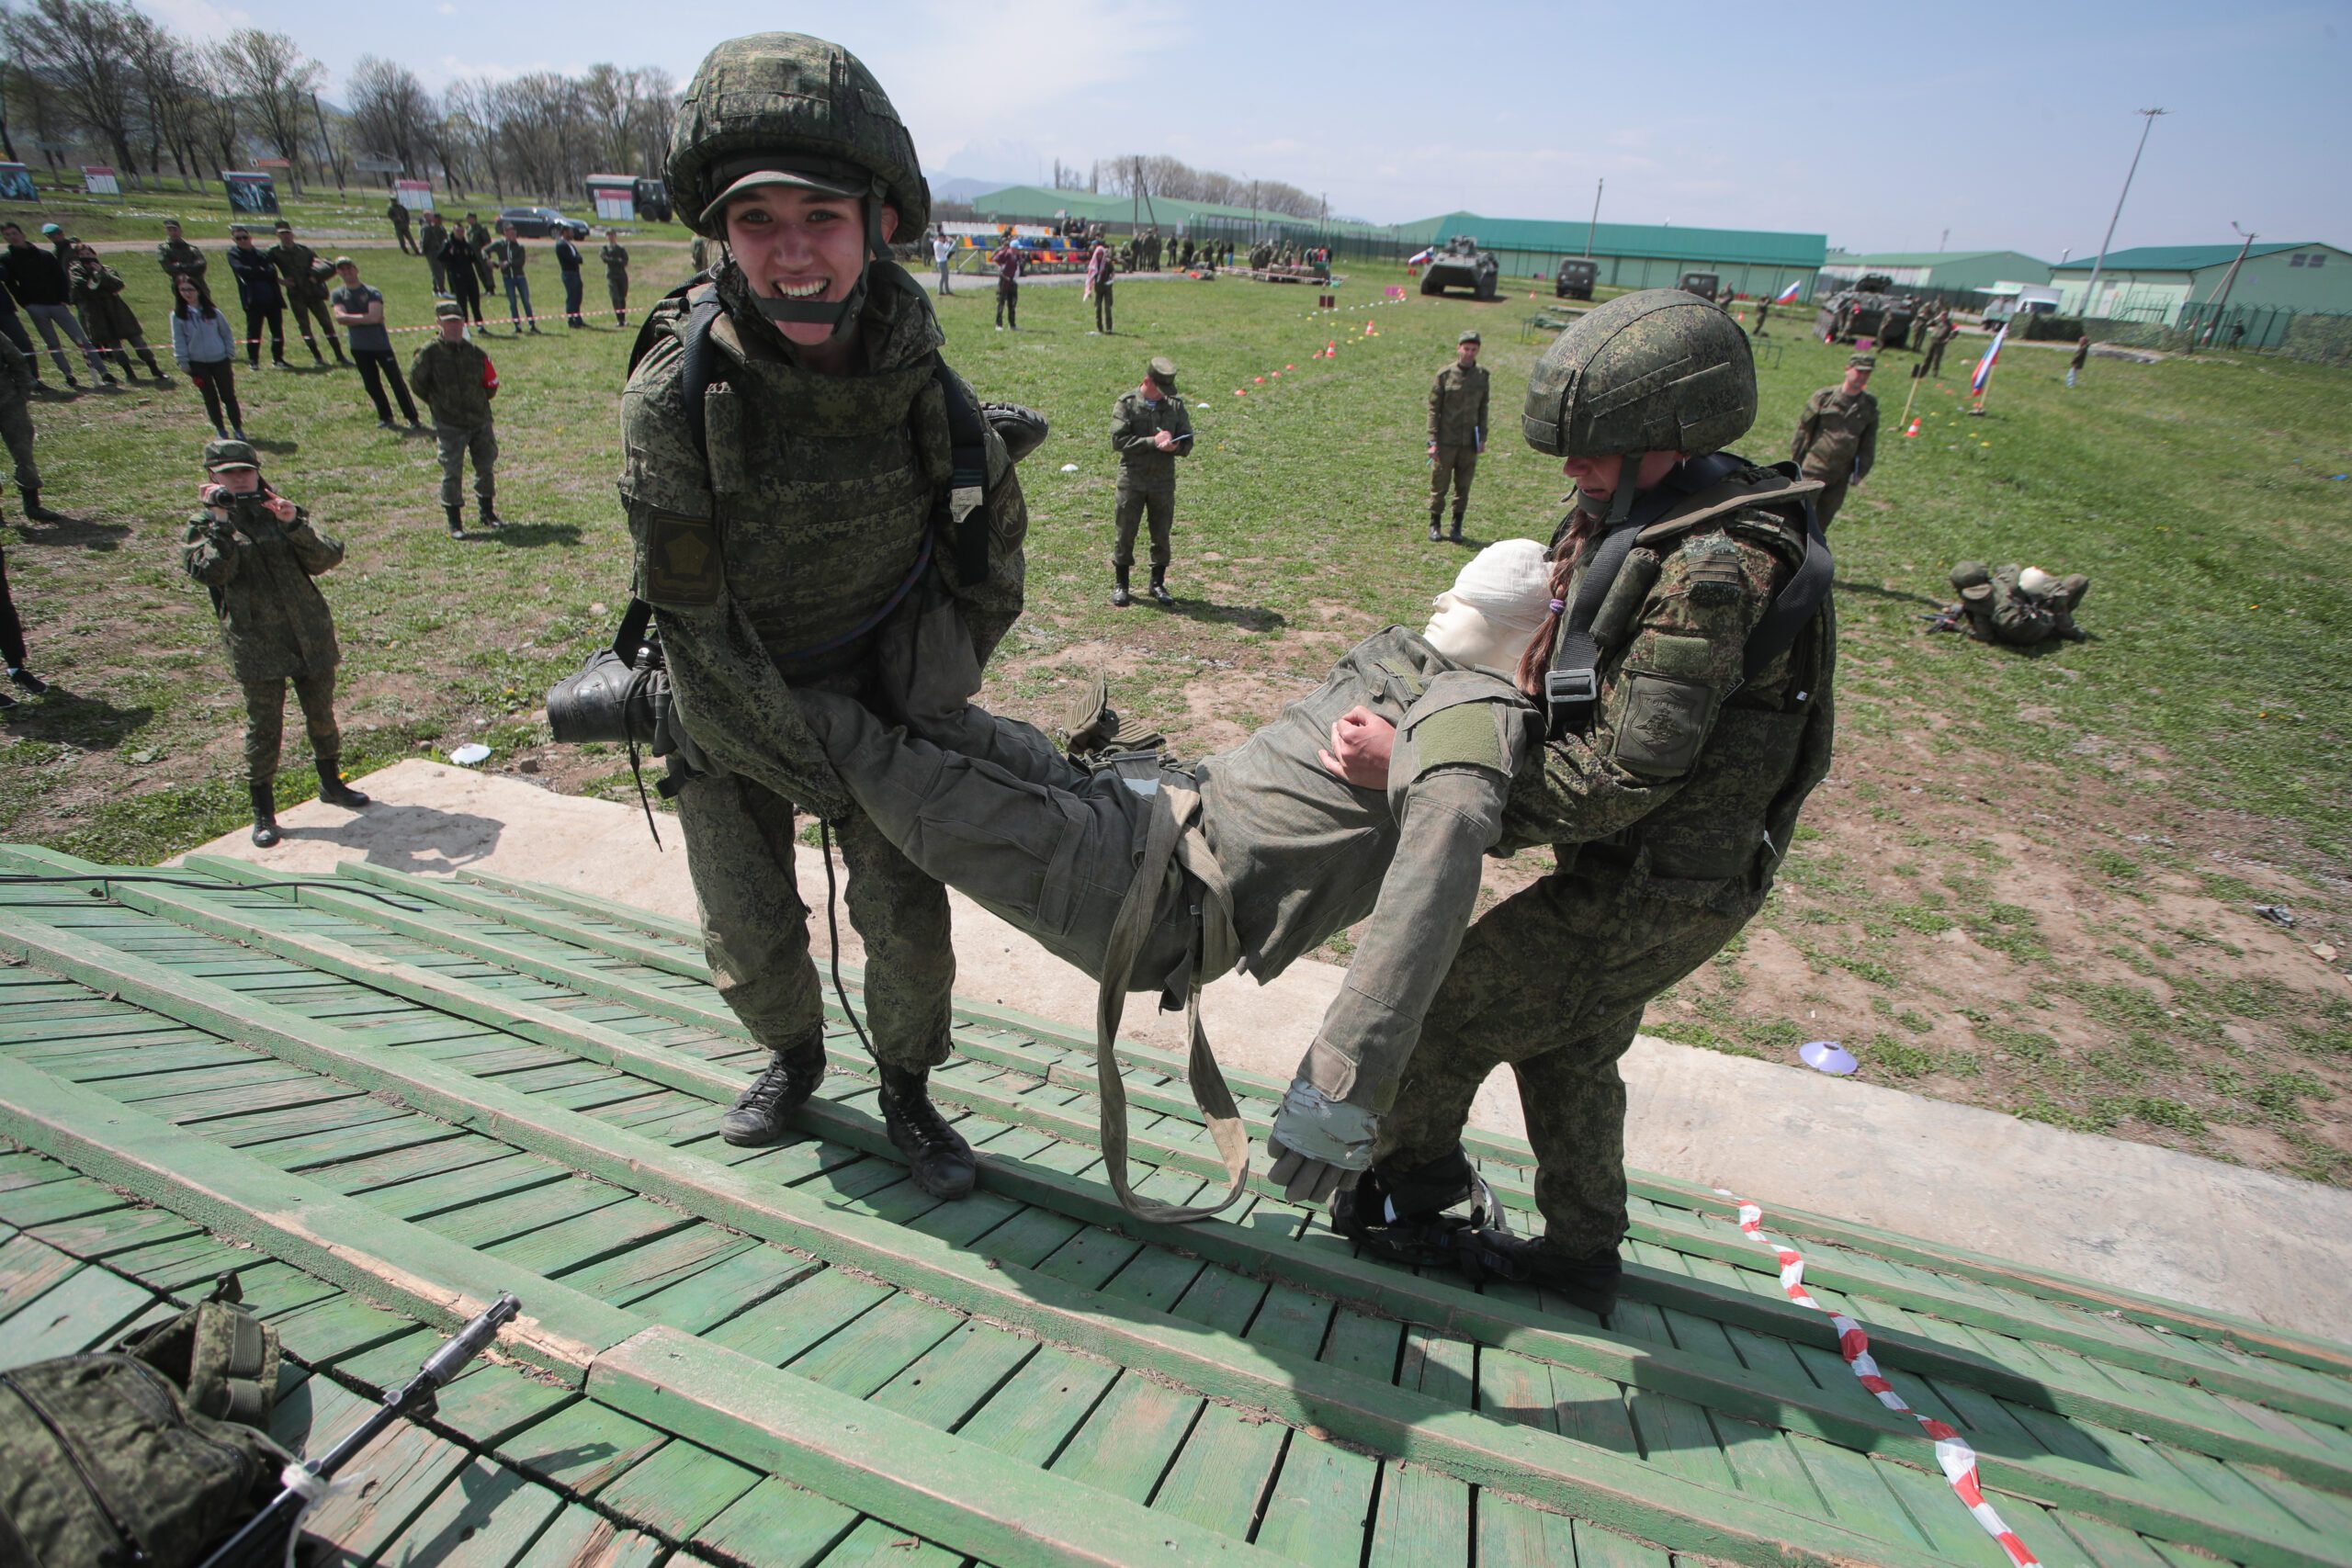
(306, 293)
(991, 807)
(113, 326)
(179, 259)
(17, 385)
(1667, 821)
(1999, 610)
(1457, 427)
(1941, 333)
(274, 621)
(1146, 474)
(616, 259)
(816, 530)
(1836, 441)
(451, 377)
(397, 210)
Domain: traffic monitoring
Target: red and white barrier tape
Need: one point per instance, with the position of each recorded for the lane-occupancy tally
(1953, 1452)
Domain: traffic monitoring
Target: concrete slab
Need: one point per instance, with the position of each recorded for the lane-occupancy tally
(2128, 1214)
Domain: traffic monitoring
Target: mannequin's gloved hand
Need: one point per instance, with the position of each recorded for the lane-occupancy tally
(1319, 1145)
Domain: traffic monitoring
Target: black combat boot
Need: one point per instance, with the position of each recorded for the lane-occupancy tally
(265, 814)
(1435, 532)
(1160, 593)
(457, 521)
(37, 511)
(490, 517)
(763, 1112)
(1119, 595)
(937, 1155)
(1457, 535)
(334, 791)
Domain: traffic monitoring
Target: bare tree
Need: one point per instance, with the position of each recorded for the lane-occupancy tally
(657, 117)
(218, 119)
(613, 100)
(276, 79)
(82, 47)
(172, 89)
(473, 109)
(389, 110)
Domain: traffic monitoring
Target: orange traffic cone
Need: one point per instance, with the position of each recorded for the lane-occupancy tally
(1915, 427)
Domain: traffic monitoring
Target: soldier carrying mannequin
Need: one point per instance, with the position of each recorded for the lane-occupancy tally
(772, 561)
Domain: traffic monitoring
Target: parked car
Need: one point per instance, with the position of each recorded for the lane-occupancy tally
(541, 223)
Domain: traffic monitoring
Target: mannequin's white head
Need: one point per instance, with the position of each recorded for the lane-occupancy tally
(1497, 604)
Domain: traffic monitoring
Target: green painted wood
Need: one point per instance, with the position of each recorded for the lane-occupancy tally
(1423, 1518)
(581, 1446)
(485, 1516)
(1222, 1476)
(944, 1386)
(1771, 1315)
(582, 1538)
(679, 1489)
(2261, 1448)
(1513, 1535)
(84, 1309)
(1320, 1508)
(1129, 1438)
(776, 1525)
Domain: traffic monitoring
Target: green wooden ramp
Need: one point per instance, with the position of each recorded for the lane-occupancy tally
(382, 1099)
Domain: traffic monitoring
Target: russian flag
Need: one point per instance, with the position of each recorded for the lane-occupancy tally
(1985, 365)
(1419, 259)
(1788, 296)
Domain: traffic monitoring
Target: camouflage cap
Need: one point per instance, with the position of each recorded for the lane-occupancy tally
(231, 455)
(1975, 581)
(1470, 336)
(345, 261)
(786, 104)
(1862, 362)
(1162, 371)
(1656, 370)
(443, 309)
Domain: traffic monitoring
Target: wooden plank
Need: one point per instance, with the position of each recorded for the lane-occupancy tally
(678, 1490)
(486, 1517)
(776, 1525)
(582, 1538)
(86, 1307)
(1222, 1475)
(955, 1377)
(1423, 1518)
(1769, 1315)
(1320, 1511)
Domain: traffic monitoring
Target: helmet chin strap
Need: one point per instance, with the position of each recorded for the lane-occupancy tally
(838, 314)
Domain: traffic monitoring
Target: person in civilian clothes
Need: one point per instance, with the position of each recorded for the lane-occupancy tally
(263, 300)
(359, 310)
(567, 266)
(206, 349)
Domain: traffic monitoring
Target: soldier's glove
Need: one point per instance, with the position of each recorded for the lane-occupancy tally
(1320, 1146)
(1022, 430)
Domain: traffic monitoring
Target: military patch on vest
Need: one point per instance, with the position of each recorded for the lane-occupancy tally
(683, 566)
(1664, 724)
(1466, 735)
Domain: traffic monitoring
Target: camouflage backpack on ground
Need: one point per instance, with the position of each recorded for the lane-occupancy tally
(146, 1455)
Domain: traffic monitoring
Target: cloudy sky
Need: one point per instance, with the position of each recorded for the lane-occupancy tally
(2008, 126)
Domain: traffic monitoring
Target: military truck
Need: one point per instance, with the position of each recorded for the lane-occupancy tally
(1577, 277)
(1871, 308)
(1702, 284)
(1462, 265)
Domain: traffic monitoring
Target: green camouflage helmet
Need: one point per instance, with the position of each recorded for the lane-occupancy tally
(799, 101)
(1658, 370)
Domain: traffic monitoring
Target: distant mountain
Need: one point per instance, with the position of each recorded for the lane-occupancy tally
(962, 188)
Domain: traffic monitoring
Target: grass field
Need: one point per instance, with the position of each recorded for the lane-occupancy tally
(2028, 885)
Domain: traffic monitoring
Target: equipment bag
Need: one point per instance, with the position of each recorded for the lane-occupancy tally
(143, 1456)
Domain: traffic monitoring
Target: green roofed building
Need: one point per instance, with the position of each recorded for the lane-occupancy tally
(1953, 272)
(1040, 204)
(379, 1100)
(1752, 262)
(2154, 283)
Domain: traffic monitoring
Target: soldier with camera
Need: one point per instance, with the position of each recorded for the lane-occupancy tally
(257, 552)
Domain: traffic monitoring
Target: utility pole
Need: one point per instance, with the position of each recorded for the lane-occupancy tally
(2090, 289)
(1595, 224)
(1942, 242)
(2214, 310)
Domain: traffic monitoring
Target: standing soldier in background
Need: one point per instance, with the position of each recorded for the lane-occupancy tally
(456, 381)
(1457, 430)
(1008, 285)
(305, 290)
(436, 235)
(478, 236)
(17, 384)
(263, 299)
(1837, 438)
(1942, 332)
(257, 552)
(108, 316)
(397, 210)
(1149, 430)
(614, 257)
(769, 559)
(567, 268)
(176, 255)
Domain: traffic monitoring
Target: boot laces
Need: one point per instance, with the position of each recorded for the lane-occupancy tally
(777, 1080)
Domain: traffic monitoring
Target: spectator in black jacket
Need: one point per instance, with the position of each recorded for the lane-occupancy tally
(259, 292)
(40, 287)
(567, 262)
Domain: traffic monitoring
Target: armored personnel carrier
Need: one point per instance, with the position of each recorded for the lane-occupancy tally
(1871, 308)
(1576, 277)
(1462, 265)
